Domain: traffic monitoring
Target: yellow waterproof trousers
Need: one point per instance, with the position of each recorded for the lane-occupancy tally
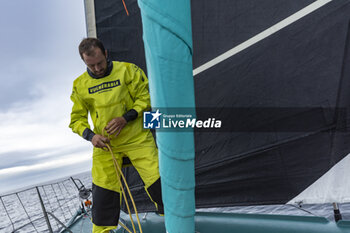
(104, 175)
(145, 161)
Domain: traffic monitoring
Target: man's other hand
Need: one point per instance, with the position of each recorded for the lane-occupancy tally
(116, 125)
(99, 141)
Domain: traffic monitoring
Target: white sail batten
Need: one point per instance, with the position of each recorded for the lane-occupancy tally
(266, 33)
(333, 186)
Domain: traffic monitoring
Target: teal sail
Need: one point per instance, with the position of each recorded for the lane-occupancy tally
(168, 47)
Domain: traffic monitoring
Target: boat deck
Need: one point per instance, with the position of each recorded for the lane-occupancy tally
(228, 222)
(82, 224)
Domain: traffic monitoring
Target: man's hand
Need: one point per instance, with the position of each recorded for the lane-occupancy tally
(116, 125)
(99, 141)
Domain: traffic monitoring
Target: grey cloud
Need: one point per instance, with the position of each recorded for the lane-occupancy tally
(26, 158)
(29, 179)
(18, 93)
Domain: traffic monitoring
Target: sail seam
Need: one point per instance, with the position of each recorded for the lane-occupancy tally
(264, 148)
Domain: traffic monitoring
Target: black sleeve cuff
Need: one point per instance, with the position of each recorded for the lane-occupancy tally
(130, 115)
(88, 134)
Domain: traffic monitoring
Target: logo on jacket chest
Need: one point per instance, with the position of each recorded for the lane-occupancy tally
(104, 86)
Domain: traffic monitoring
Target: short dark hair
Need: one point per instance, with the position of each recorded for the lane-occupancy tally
(88, 44)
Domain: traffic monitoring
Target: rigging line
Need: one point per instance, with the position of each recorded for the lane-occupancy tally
(54, 192)
(27, 224)
(64, 186)
(64, 202)
(26, 211)
(58, 201)
(2, 201)
(48, 199)
(70, 190)
(69, 181)
(341, 90)
(127, 12)
(21, 190)
(59, 221)
(262, 35)
(68, 199)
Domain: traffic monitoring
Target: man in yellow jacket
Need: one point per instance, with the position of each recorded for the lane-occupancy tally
(116, 95)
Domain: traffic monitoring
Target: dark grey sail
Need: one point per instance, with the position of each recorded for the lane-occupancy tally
(276, 73)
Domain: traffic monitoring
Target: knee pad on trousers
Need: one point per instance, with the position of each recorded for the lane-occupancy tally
(155, 191)
(105, 206)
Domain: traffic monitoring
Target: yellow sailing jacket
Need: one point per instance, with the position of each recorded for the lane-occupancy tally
(125, 88)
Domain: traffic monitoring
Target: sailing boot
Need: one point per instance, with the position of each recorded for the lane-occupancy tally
(155, 193)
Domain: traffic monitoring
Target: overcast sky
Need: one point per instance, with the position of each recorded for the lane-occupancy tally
(39, 61)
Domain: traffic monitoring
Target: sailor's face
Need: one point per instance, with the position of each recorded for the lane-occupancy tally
(96, 62)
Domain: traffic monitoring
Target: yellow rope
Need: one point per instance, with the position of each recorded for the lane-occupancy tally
(125, 227)
(116, 165)
(118, 169)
